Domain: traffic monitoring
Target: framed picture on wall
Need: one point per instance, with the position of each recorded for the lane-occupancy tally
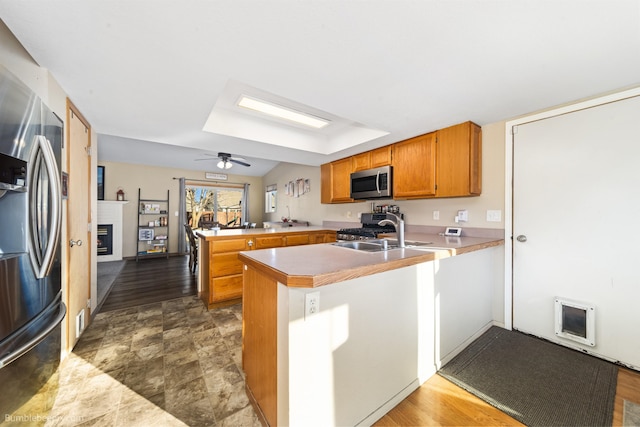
(100, 182)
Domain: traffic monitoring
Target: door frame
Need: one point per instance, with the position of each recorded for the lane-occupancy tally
(508, 193)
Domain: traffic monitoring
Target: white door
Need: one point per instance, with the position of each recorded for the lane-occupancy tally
(576, 199)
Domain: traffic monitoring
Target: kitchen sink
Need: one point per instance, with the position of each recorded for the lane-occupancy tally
(366, 245)
(378, 245)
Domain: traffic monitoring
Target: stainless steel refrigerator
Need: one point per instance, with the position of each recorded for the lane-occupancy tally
(31, 307)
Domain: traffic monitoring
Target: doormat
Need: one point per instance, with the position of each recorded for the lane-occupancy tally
(535, 381)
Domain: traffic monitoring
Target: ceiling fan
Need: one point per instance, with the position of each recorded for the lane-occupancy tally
(227, 160)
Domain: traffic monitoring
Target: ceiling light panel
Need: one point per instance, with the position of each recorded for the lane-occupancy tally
(282, 112)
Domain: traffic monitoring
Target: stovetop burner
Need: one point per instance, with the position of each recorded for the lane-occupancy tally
(369, 230)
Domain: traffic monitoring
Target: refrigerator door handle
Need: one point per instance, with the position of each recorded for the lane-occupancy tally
(42, 251)
(24, 348)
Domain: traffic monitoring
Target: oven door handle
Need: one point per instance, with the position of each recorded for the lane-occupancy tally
(378, 182)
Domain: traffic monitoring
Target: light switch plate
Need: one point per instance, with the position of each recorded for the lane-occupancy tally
(494, 215)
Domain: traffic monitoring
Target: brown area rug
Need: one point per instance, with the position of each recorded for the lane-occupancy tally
(535, 381)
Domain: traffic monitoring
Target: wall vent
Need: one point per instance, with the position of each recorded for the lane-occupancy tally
(575, 321)
(79, 323)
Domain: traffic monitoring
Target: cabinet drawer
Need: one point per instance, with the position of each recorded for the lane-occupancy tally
(300, 239)
(225, 288)
(269, 242)
(231, 245)
(225, 264)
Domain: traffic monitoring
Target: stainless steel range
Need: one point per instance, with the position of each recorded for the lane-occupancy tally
(369, 230)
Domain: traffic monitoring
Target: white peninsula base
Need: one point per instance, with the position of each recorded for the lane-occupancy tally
(372, 342)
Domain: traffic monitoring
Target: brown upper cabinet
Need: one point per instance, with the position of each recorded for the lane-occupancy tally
(335, 181)
(414, 173)
(444, 163)
(459, 161)
(372, 159)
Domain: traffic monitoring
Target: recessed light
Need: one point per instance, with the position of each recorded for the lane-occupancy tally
(281, 112)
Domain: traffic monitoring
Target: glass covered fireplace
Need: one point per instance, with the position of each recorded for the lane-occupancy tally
(105, 239)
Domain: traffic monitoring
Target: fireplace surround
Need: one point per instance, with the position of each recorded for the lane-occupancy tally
(110, 213)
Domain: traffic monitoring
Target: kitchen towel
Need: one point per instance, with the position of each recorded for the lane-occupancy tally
(535, 381)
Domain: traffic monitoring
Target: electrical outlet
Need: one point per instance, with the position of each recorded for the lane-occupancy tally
(436, 215)
(463, 216)
(311, 303)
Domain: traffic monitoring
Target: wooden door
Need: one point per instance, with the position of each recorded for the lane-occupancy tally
(78, 219)
(575, 185)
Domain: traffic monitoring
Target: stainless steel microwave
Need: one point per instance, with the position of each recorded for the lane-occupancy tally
(372, 183)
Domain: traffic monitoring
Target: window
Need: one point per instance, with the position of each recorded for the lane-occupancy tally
(270, 198)
(211, 206)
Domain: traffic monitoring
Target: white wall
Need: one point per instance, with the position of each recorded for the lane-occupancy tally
(358, 352)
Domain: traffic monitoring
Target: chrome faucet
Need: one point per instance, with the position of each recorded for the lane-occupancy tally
(398, 224)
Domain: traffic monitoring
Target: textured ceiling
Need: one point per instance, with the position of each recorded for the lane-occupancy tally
(150, 72)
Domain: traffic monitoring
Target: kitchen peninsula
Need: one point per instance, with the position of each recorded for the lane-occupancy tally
(337, 336)
(220, 273)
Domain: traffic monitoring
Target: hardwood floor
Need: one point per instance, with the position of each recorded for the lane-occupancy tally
(628, 389)
(439, 402)
(151, 280)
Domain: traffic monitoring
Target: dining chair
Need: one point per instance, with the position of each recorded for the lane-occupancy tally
(193, 248)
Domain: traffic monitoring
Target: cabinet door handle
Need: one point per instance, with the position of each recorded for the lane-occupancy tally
(73, 243)
(250, 243)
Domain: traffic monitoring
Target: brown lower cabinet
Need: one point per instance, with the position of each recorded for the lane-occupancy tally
(220, 274)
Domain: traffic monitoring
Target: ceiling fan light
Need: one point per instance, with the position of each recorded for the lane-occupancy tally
(224, 164)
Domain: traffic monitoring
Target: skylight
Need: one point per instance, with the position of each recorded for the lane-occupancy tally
(281, 112)
(246, 112)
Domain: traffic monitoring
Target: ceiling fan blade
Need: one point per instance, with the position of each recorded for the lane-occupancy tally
(235, 160)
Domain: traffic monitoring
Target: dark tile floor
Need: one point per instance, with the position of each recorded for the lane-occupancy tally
(169, 363)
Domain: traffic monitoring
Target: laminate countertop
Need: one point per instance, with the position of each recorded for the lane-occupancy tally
(234, 232)
(311, 266)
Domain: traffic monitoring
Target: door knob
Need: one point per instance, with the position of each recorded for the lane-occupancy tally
(73, 243)
(521, 238)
